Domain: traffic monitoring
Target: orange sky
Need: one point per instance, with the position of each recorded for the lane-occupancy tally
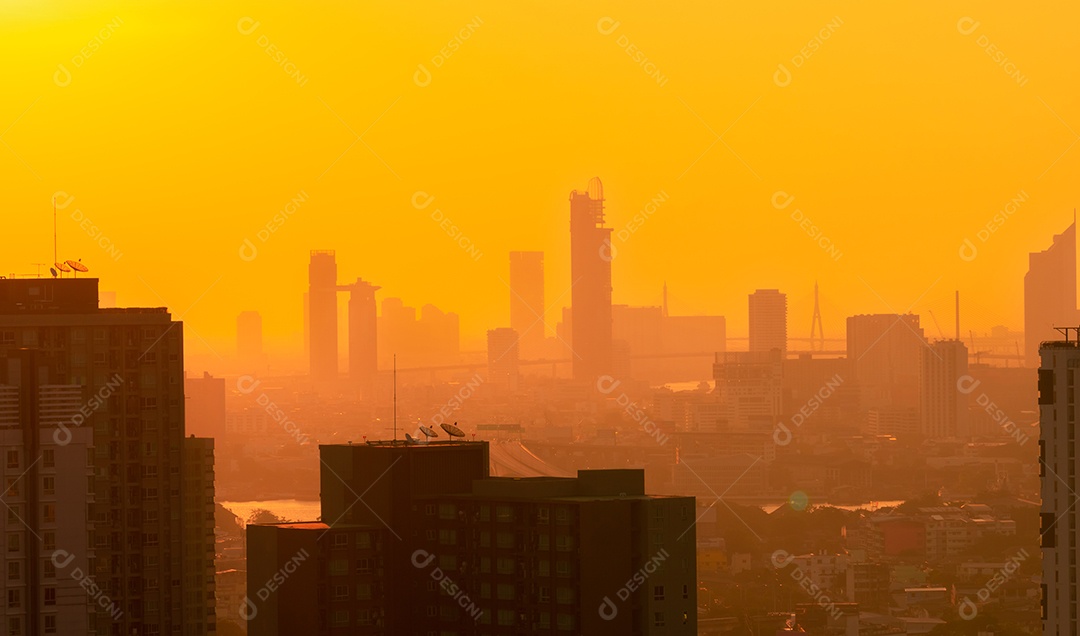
(180, 129)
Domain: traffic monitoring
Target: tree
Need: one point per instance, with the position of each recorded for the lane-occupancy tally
(263, 516)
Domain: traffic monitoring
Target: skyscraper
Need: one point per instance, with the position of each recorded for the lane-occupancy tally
(249, 341)
(1058, 468)
(124, 371)
(502, 350)
(1050, 292)
(322, 312)
(590, 276)
(768, 320)
(527, 301)
(944, 409)
(363, 333)
(885, 352)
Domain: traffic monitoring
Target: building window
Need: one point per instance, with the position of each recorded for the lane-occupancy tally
(564, 595)
(14, 626)
(504, 513)
(50, 596)
(447, 511)
(505, 592)
(339, 567)
(49, 568)
(14, 599)
(49, 513)
(48, 458)
(658, 620)
(341, 540)
(341, 592)
(363, 566)
(14, 572)
(658, 593)
(13, 460)
(49, 539)
(685, 592)
(13, 542)
(49, 485)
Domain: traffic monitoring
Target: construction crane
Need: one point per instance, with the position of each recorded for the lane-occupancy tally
(978, 354)
(936, 324)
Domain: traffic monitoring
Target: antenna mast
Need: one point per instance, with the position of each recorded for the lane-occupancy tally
(54, 250)
(395, 397)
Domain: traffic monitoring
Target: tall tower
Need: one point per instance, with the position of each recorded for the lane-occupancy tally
(527, 301)
(1050, 292)
(1058, 467)
(322, 314)
(590, 273)
(363, 333)
(768, 320)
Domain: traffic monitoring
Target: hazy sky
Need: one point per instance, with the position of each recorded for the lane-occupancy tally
(180, 129)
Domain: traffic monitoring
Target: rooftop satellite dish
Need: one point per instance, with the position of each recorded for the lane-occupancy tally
(409, 439)
(427, 431)
(452, 430)
(77, 266)
(52, 270)
(62, 267)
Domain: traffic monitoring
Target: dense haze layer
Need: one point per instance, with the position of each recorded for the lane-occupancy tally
(761, 145)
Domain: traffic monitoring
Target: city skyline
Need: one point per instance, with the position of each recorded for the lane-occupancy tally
(702, 183)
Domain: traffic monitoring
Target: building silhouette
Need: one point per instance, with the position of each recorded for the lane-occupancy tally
(503, 346)
(438, 546)
(885, 353)
(943, 409)
(122, 370)
(750, 386)
(249, 342)
(527, 309)
(1058, 470)
(363, 333)
(591, 253)
(205, 408)
(321, 323)
(322, 315)
(1050, 292)
(768, 320)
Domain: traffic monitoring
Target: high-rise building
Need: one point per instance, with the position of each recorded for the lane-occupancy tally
(249, 341)
(944, 409)
(200, 608)
(438, 546)
(527, 309)
(885, 352)
(48, 487)
(1050, 292)
(322, 315)
(205, 410)
(126, 367)
(502, 350)
(1058, 468)
(768, 320)
(590, 276)
(363, 333)
(750, 386)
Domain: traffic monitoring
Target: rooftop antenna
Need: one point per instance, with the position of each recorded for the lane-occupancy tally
(54, 250)
(395, 397)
